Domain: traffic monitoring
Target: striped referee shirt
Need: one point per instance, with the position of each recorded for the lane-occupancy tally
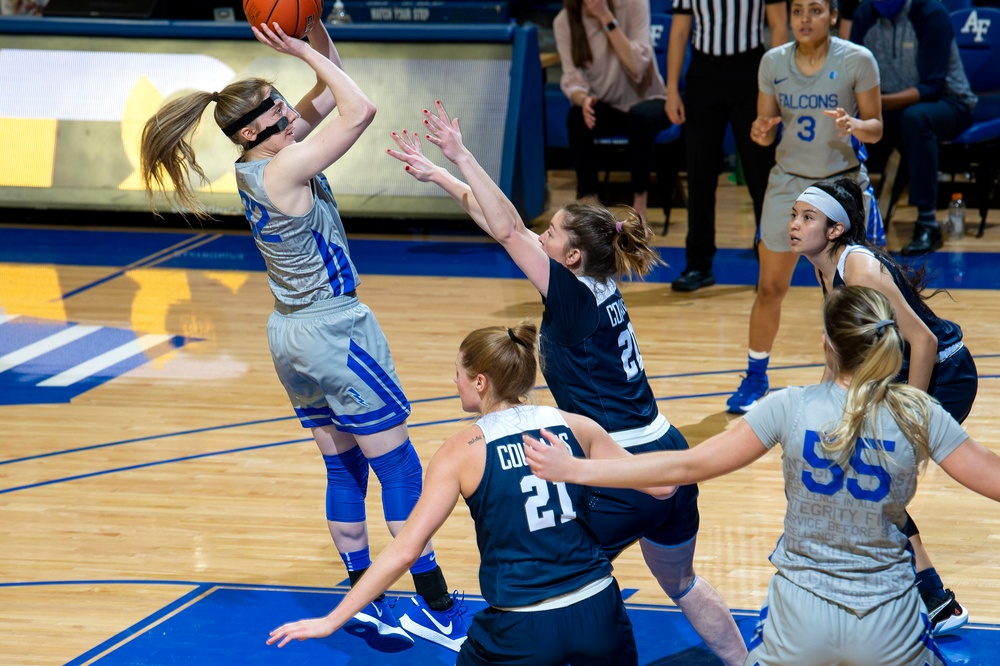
(725, 27)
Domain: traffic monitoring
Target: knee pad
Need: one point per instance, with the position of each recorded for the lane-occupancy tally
(401, 476)
(672, 566)
(346, 486)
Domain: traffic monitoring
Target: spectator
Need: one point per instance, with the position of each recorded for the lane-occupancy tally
(727, 45)
(610, 77)
(926, 98)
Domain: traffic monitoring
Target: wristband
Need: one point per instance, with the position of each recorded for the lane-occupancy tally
(613, 25)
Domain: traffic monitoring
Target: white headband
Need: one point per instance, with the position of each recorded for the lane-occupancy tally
(827, 205)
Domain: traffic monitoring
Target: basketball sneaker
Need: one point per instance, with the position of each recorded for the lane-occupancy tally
(753, 387)
(446, 628)
(377, 625)
(945, 613)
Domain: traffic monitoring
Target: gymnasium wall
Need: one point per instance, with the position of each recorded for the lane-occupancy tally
(79, 92)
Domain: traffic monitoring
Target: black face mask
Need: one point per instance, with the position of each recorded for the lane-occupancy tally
(266, 105)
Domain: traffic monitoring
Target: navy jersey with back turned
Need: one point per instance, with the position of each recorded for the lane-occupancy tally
(534, 539)
(589, 354)
(947, 332)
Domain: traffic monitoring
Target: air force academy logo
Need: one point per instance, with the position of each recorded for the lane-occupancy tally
(976, 26)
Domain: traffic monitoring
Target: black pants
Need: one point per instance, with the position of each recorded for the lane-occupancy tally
(641, 125)
(720, 91)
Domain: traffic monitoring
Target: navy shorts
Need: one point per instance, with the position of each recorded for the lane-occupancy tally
(593, 632)
(621, 517)
(954, 383)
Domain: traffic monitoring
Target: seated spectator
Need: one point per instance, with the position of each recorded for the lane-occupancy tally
(926, 97)
(611, 79)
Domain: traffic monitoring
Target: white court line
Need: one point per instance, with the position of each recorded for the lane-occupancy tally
(44, 346)
(6, 318)
(105, 360)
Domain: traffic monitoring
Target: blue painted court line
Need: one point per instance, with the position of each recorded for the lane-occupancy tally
(220, 623)
(950, 270)
(147, 262)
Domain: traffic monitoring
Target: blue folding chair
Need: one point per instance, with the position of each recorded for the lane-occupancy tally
(977, 33)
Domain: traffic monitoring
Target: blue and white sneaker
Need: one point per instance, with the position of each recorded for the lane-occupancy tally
(378, 626)
(753, 387)
(446, 628)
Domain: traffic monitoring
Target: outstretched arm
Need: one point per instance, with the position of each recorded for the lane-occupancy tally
(502, 220)
(975, 467)
(319, 102)
(296, 164)
(421, 168)
(597, 444)
(436, 502)
(721, 454)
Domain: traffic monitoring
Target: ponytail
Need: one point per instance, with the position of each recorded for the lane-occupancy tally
(864, 342)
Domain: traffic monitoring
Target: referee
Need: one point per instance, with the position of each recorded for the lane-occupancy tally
(726, 46)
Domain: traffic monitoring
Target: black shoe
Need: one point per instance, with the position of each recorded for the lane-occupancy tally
(691, 280)
(945, 613)
(925, 240)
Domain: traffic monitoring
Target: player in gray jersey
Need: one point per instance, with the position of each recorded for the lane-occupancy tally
(552, 598)
(827, 228)
(328, 350)
(824, 93)
(852, 449)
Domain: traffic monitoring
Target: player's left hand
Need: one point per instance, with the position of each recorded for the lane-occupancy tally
(844, 122)
(549, 460)
(410, 153)
(444, 132)
(299, 631)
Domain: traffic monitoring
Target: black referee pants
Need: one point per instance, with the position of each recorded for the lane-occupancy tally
(719, 91)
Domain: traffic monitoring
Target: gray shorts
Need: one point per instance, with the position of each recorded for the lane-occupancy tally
(334, 362)
(782, 191)
(798, 627)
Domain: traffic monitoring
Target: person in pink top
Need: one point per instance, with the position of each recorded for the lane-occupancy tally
(610, 76)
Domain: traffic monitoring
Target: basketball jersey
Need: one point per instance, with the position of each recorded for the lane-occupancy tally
(810, 145)
(533, 536)
(307, 257)
(589, 354)
(843, 538)
(948, 333)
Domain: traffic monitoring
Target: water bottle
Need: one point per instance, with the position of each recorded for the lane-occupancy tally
(956, 216)
(338, 15)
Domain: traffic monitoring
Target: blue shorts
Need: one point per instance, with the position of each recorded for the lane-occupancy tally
(621, 517)
(593, 632)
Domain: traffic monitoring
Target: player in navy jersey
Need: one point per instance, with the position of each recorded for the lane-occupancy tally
(590, 358)
(852, 449)
(328, 349)
(827, 227)
(824, 93)
(541, 569)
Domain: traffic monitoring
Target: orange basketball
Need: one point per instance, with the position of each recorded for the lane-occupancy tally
(296, 17)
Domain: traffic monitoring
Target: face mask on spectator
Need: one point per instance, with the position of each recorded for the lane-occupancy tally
(888, 8)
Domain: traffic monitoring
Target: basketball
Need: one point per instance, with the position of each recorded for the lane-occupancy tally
(296, 17)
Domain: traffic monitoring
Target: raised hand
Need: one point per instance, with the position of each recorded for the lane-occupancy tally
(276, 38)
(299, 631)
(411, 154)
(845, 122)
(444, 132)
(597, 8)
(549, 460)
(761, 128)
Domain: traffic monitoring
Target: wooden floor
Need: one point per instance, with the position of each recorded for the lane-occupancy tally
(175, 509)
